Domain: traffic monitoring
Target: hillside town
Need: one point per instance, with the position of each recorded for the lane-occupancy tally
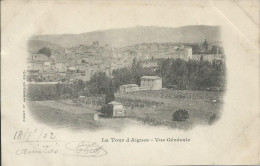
(81, 62)
(94, 83)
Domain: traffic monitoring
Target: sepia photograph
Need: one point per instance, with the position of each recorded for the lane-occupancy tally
(131, 82)
(169, 76)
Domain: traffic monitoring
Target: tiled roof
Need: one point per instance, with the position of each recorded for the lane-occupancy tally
(115, 103)
(151, 77)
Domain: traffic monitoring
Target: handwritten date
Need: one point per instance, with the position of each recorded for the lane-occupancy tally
(40, 141)
(33, 135)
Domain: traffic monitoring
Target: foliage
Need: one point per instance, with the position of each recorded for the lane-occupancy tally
(106, 109)
(78, 88)
(123, 76)
(110, 93)
(180, 115)
(131, 75)
(192, 74)
(177, 73)
(212, 119)
(46, 51)
(98, 83)
(64, 89)
(137, 71)
(41, 92)
(56, 91)
(195, 75)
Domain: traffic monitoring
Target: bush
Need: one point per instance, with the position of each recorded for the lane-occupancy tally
(107, 110)
(46, 51)
(39, 92)
(212, 119)
(180, 115)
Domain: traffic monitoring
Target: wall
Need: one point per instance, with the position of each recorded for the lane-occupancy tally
(157, 84)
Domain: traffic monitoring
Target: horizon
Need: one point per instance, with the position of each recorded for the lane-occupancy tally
(130, 27)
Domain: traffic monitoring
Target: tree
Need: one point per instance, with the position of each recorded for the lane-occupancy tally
(201, 59)
(137, 71)
(180, 115)
(110, 93)
(107, 110)
(98, 83)
(46, 51)
(192, 74)
(122, 76)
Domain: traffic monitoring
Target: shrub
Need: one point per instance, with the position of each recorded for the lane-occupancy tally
(212, 119)
(106, 110)
(46, 51)
(38, 92)
(180, 115)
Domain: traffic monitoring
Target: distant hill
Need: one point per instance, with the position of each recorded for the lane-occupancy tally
(136, 35)
(36, 45)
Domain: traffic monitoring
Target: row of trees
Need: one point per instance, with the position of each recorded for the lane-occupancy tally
(131, 75)
(178, 73)
(192, 74)
(174, 72)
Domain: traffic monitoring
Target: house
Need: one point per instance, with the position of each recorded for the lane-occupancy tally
(60, 67)
(151, 63)
(34, 66)
(38, 58)
(151, 82)
(33, 75)
(128, 88)
(184, 53)
(118, 109)
(209, 57)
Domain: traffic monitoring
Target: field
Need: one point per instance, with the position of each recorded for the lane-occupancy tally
(59, 114)
(201, 105)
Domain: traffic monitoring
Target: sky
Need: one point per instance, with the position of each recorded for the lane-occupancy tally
(56, 17)
(43, 17)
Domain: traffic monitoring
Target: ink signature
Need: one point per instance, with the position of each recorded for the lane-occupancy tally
(36, 141)
(85, 149)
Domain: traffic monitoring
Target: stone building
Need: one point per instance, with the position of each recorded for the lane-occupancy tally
(117, 109)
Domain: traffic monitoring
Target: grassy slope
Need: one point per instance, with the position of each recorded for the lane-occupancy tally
(60, 115)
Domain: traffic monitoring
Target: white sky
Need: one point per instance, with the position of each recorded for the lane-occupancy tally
(77, 16)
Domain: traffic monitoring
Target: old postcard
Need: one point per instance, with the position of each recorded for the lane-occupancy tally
(129, 82)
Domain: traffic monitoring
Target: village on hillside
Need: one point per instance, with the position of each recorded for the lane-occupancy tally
(81, 62)
(168, 84)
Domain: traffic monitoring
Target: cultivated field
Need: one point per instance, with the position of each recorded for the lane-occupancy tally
(59, 114)
(201, 105)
